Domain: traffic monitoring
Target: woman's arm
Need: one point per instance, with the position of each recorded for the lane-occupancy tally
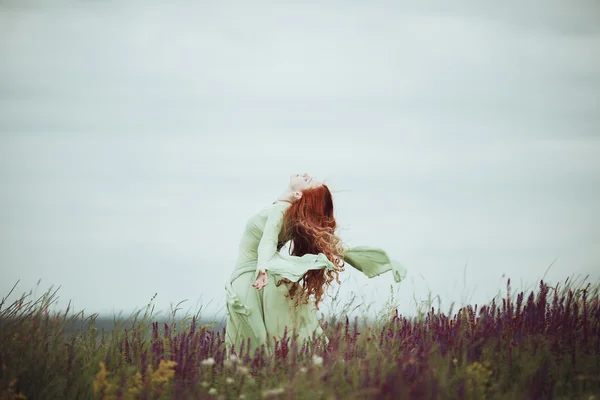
(267, 247)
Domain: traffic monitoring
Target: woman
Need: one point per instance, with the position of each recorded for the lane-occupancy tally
(269, 292)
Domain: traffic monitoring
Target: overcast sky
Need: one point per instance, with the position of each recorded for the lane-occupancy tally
(137, 137)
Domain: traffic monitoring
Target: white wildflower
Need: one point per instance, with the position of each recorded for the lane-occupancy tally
(229, 380)
(303, 370)
(209, 361)
(243, 370)
(228, 364)
(233, 358)
(212, 391)
(317, 360)
(204, 384)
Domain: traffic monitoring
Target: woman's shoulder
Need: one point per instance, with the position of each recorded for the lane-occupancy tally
(277, 207)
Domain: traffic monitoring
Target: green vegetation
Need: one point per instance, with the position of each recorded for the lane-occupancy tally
(545, 344)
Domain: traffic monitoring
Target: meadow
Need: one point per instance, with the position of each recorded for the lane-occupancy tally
(537, 344)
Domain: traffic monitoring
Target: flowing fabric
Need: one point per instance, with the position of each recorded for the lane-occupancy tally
(263, 315)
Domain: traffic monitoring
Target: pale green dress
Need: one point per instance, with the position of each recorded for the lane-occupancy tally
(261, 315)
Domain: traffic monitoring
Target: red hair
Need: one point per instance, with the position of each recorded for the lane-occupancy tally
(310, 224)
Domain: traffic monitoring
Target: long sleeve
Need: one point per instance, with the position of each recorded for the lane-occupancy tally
(369, 260)
(267, 247)
(373, 262)
(294, 268)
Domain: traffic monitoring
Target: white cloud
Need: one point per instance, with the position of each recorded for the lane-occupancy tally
(136, 139)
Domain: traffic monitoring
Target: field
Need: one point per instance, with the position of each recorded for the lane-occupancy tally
(541, 344)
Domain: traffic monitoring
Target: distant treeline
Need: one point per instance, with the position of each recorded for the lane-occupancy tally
(108, 324)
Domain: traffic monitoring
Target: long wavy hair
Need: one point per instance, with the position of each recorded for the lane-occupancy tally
(310, 224)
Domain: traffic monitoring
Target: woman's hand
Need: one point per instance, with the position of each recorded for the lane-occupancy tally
(261, 280)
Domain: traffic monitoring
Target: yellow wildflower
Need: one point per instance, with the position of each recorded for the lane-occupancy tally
(478, 378)
(10, 392)
(101, 384)
(164, 372)
(137, 384)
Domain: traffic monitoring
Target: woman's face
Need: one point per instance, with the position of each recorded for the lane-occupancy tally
(301, 182)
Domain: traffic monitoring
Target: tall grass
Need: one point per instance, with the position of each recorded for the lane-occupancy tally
(542, 344)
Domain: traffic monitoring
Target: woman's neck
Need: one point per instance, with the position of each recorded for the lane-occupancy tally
(282, 201)
(287, 196)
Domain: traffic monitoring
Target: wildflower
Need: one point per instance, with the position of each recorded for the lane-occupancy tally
(233, 359)
(242, 396)
(137, 384)
(212, 391)
(101, 384)
(229, 380)
(209, 361)
(243, 370)
(164, 372)
(317, 360)
(303, 370)
(478, 376)
(267, 394)
(204, 384)
(11, 392)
